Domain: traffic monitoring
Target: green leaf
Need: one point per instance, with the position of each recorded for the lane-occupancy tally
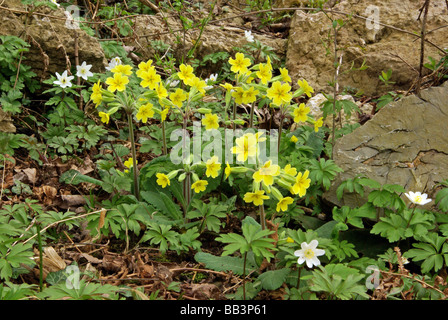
(273, 279)
(224, 264)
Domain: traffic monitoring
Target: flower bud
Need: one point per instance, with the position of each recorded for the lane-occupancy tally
(204, 110)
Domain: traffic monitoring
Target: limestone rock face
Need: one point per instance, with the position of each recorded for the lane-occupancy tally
(405, 143)
(50, 39)
(382, 48)
(6, 124)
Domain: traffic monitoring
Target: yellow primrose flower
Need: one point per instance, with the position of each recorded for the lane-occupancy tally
(97, 87)
(266, 173)
(144, 67)
(318, 124)
(129, 163)
(124, 69)
(294, 139)
(199, 186)
(282, 205)
(150, 79)
(284, 75)
(250, 95)
(238, 94)
(210, 121)
(246, 146)
(306, 87)
(198, 84)
(268, 62)
(302, 183)
(289, 240)
(161, 91)
(228, 170)
(186, 73)
(239, 64)
(301, 113)
(227, 86)
(96, 95)
(264, 73)
(256, 197)
(279, 93)
(213, 167)
(118, 82)
(178, 97)
(145, 112)
(162, 180)
(290, 170)
(104, 117)
(164, 113)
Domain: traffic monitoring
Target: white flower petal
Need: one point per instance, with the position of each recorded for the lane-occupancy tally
(313, 244)
(300, 260)
(319, 252)
(298, 253)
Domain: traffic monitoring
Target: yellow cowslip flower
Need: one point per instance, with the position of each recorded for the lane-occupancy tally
(256, 197)
(210, 121)
(301, 113)
(282, 204)
(96, 95)
(129, 163)
(307, 89)
(198, 84)
(150, 79)
(302, 183)
(213, 167)
(164, 113)
(97, 87)
(227, 170)
(104, 117)
(199, 186)
(290, 170)
(279, 93)
(186, 73)
(227, 86)
(239, 64)
(294, 139)
(266, 173)
(161, 90)
(238, 94)
(284, 75)
(118, 82)
(289, 240)
(144, 67)
(145, 112)
(319, 123)
(178, 97)
(124, 69)
(268, 62)
(246, 146)
(264, 73)
(250, 95)
(162, 180)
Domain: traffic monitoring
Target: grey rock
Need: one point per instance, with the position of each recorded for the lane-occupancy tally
(405, 143)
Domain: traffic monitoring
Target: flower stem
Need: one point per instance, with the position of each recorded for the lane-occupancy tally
(262, 218)
(412, 215)
(164, 149)
(244, 276)
(298, 277)
(134, 157)
(251, 121)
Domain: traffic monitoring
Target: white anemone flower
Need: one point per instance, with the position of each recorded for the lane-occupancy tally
(249, 36)
(63, 80)
(113, 63)
(83, 71)
(309, 254)
(54, 1)
(418, 198)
